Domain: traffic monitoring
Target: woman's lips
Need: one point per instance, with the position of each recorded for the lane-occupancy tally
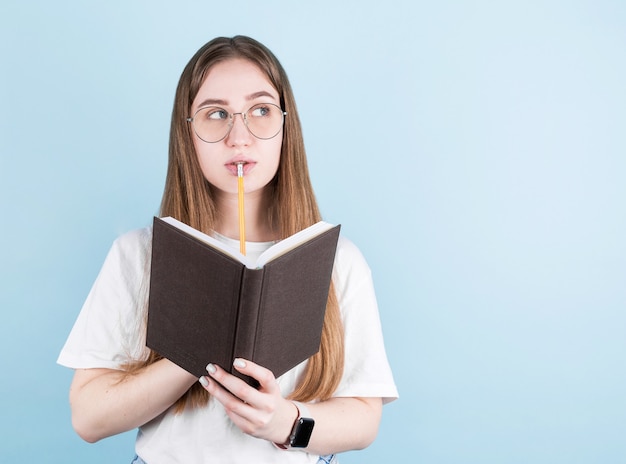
(247, 166)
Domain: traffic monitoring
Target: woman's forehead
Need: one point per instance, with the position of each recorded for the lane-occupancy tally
(235, 81)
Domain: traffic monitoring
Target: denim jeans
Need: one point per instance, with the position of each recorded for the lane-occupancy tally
(329, 459)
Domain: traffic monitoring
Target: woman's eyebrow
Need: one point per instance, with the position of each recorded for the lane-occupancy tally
(260, 94)
(212, 102)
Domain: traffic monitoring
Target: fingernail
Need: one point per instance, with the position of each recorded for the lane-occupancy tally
(203, 380)
(211, 368)
(240, 363)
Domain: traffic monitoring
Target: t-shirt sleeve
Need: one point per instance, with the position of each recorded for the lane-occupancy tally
(105, 332)
(366, 372)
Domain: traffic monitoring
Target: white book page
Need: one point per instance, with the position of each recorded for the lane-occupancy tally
(271, 253)
(292, 242)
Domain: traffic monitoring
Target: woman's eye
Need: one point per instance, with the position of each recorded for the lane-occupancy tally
(217, 114)
(260, 111)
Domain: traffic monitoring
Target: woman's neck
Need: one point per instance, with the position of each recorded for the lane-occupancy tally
(256, 208)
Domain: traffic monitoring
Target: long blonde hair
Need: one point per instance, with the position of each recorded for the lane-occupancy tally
(188, 197)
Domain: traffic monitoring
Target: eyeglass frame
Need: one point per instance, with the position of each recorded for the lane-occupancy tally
(231, 121)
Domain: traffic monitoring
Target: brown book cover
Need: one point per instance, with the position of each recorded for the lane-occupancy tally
(207, 304)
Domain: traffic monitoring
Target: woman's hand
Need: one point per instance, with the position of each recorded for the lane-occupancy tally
(341, 423)
(262, 412)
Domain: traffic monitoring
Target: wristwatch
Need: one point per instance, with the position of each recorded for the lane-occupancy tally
(302, 429)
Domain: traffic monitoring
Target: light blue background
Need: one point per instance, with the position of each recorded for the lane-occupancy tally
(474, 150)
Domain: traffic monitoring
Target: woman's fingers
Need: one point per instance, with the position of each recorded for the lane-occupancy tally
(267, 381)
(261, 412)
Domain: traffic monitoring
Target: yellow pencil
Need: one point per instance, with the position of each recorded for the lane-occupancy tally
(242, 221)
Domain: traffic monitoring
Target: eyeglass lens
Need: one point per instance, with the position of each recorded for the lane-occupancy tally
(213, 123)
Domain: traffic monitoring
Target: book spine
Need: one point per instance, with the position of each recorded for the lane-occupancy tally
(248, 316)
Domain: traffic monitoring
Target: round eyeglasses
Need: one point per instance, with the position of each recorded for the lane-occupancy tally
(212, 123)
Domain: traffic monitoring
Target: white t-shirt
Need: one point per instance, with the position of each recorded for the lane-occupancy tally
(110, 331)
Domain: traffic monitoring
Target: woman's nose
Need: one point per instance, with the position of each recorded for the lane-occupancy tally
(239, 133)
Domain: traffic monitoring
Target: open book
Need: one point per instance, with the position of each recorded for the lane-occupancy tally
(209, 303)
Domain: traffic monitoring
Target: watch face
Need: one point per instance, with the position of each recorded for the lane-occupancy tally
(302, 433)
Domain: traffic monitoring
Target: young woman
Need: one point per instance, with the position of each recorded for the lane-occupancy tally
(233, 105)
